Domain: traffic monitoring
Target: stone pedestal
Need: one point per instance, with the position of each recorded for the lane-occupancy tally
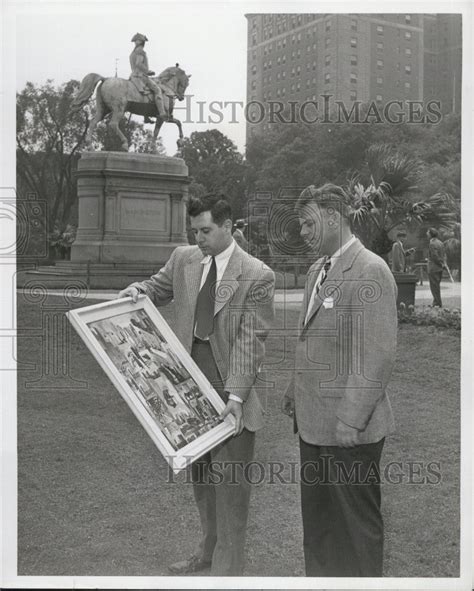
(406, 284)
(131, 208)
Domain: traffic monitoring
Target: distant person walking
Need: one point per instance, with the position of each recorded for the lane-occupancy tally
(239, 236)
(436, 264)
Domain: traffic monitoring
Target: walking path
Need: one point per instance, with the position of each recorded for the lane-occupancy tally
(292, 298)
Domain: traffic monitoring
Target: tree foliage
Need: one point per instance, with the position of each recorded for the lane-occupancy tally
(216, 165)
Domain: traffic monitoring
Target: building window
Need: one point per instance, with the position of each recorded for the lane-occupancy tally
(298, 70)
(283, 91)
(292, 72)
(254, 40)
(327, 78)
(379, 80)
(380, 29)
(327, 60)
(314, 65)
(353, 42)
(298, 86)
(254, 70)
(292, 88)
(283, 59)
(353, 95)
(379, 64)
(254, 84)
(254, 55)
(298, 37)
(378, 98)
(328, 26)
(278, 92)
(407, 86)
(307, 83)
(379, 46)
(328, 41)
(408, 52)
(283, 74)
(407, 35)
(407, 69)
(353, 60)
(353, 78)
(353, 24)
(278, 61)
(407, 19)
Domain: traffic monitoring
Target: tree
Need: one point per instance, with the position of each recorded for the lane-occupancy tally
(215, 163)
(48, 143)
(383, 197)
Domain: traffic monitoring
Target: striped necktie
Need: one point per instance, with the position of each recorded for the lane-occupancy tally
(205, 304)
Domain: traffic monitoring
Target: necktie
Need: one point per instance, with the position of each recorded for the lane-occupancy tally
(324, 274)
(205, 304)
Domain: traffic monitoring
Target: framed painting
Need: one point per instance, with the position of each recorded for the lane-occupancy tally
(157, 378)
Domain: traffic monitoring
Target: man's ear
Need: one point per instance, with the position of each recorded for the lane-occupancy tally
(228, 225)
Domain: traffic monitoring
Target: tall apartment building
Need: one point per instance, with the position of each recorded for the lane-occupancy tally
(365, 57)
(443, 60)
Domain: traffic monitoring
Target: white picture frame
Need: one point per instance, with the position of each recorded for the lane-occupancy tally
(157, 378)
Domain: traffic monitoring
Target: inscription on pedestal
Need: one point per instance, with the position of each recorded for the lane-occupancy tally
(143, 214)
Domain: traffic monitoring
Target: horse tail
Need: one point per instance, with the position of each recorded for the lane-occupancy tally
(85, 91)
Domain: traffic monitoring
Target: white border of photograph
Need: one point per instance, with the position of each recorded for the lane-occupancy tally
(177, 459)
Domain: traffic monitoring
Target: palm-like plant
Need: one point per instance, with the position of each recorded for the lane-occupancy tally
(383, 197)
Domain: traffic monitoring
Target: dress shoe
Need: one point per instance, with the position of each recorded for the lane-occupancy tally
(191, 565)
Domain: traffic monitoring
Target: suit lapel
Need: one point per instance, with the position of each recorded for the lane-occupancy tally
(334, 277)
(229, 282)
(194, 270)
(310, 282)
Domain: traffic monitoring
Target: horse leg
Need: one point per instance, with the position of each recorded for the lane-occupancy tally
(117, 115)
(158, 125)
(177, 122)
(100, 112)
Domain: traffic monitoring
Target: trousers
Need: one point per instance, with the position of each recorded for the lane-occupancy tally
(435, 286)
(340, 501)
(222, 487)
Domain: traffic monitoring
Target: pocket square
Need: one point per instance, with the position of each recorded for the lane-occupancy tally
(328, 303)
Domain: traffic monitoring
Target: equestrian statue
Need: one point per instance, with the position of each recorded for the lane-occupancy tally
(143, 94)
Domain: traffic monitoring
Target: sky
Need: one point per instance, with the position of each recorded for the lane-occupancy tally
(209, 41)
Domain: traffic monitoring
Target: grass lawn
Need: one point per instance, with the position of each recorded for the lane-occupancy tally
(93, 496)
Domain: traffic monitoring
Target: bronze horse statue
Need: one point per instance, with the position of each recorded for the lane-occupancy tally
(116, 96)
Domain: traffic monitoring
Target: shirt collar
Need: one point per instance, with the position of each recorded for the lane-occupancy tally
(222, 256)
(343, 249)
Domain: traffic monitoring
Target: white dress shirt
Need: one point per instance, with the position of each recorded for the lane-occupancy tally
(222, 260)
(339, 252)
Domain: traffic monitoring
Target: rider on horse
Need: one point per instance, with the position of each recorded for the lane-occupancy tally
(140, 75)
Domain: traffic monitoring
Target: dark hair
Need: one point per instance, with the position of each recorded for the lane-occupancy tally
(328, 194)
(433, 232)
(213, 202)
(401, 234)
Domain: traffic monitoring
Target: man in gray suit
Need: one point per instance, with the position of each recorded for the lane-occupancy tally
(223, 310)
(337, 397)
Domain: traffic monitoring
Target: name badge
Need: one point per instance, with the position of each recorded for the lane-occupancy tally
(328, 303)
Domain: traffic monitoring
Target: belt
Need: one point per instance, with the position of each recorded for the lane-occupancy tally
(200, 341)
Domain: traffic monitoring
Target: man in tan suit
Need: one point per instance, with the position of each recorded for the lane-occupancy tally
(223, 310)
(337, 397)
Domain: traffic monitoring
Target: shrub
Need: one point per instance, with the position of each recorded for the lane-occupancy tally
(427, 316)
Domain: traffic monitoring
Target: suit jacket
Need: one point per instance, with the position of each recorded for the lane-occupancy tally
(436, 255)
(243, 314)
(398, 258)
(346, 351)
